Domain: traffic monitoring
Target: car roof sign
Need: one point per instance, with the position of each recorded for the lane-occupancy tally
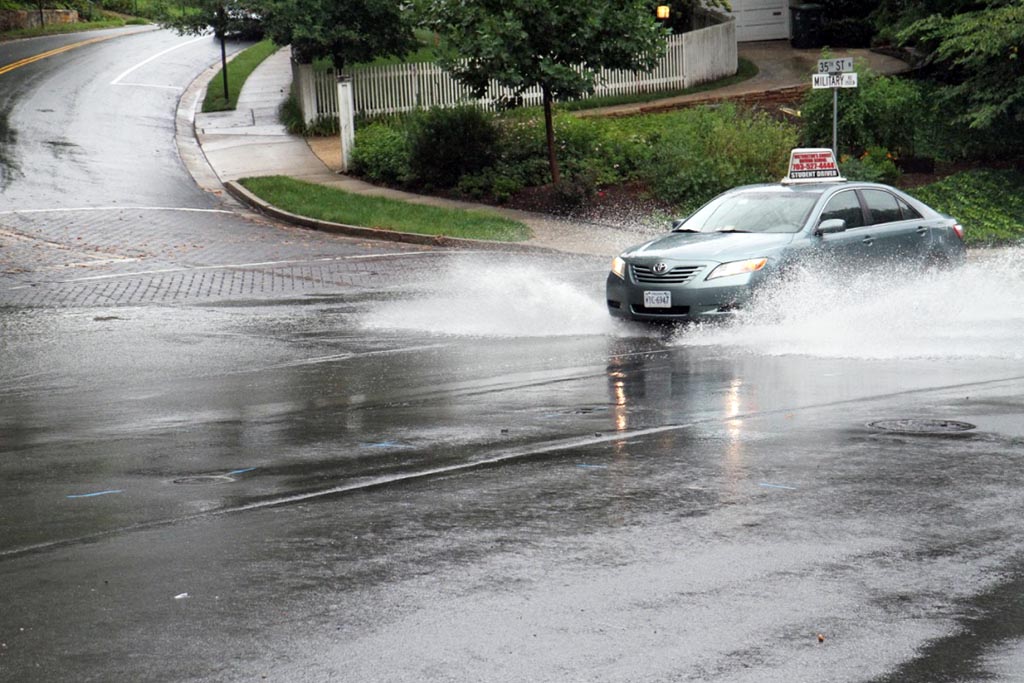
(812, 165)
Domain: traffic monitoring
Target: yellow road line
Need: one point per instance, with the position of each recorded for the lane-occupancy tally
(28, 60)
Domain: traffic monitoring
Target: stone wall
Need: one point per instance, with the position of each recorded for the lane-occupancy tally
(14, 19)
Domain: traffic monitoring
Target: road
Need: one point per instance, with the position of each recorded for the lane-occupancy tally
(235, 450)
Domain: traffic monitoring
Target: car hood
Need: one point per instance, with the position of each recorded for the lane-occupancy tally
(713, 246)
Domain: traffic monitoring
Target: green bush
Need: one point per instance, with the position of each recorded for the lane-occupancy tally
(522, 148)
(446, 144)
(87, 11)
(881, 111)
(940, 135)
(381, 154)
(698, 153)
(293, 120)
(684, 157)
(495, 183)
(120, 6)
(291, 117)
(874, 165)
(988, 203)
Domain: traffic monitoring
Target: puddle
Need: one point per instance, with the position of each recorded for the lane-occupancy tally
(9, 169)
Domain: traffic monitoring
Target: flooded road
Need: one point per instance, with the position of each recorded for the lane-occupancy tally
(431, 481)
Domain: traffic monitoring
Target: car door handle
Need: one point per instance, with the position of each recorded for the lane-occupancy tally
(922, 231)
(869, 240)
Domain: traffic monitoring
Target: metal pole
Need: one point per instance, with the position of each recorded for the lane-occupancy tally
(835, 122)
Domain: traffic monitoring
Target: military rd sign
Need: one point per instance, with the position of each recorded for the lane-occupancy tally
(844, 80)
(812, 166)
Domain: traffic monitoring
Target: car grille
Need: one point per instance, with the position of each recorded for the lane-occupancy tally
(673, 310)
(675, 276)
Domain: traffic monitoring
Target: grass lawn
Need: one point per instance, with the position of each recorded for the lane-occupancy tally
(239, 69)
(338, 206)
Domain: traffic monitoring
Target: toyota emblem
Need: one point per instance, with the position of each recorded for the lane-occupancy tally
(659, 268)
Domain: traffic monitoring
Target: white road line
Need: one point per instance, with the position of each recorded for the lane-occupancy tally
(360, 484)
(175, 88)
(97, 262)
(348, 356)
(114, 208)
(144, 62)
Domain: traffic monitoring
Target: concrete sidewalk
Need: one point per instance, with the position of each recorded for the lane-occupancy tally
(250, 141)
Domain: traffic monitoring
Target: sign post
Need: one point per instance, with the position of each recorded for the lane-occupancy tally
(346, 116)
(835, 73)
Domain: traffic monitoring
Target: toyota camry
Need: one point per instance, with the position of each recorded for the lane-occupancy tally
(714, 261)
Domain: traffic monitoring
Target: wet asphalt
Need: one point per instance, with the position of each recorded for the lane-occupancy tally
(232, 450)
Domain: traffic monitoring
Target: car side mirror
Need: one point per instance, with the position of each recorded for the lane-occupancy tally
(830, 226)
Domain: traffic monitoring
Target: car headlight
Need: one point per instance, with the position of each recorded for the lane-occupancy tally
(619, 267)
(738, 268)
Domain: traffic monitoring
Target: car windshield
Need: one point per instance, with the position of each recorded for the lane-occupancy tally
(754, 211)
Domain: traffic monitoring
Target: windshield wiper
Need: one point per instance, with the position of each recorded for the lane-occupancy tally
(732, 230)
(684, 230)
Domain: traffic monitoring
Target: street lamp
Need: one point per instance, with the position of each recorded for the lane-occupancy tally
(663, 12)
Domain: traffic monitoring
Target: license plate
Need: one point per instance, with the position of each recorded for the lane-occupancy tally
(657, 299)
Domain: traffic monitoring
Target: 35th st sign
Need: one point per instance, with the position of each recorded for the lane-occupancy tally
(835, 66)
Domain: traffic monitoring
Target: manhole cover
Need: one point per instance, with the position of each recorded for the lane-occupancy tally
(204, 479)
(910, 426)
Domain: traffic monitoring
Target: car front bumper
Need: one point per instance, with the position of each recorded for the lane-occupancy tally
(692, 302)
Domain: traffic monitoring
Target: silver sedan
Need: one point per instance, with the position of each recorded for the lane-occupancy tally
(713, 262)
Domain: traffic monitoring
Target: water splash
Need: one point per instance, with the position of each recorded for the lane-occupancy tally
(477, 297)
(976, 311)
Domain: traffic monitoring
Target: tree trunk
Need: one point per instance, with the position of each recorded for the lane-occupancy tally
(549, 126)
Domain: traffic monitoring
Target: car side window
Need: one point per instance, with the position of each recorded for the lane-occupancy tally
(909, 212)
(882, 206)
(844, 205)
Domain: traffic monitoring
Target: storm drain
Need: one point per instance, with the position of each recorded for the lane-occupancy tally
(923, 427)
(203, 479)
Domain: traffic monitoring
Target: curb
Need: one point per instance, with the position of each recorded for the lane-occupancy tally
(186, 139)
(190, 151)
(246, 197)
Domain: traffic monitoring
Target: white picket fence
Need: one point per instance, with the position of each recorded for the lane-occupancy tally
(690, 59)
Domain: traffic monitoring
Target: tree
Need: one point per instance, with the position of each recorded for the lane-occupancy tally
(559, 45)
(345, 31)
(979, 55)
(224, 17)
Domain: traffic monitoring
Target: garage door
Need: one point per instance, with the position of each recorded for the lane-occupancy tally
(761, 19)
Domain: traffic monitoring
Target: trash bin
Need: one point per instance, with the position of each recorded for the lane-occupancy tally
(806, 26)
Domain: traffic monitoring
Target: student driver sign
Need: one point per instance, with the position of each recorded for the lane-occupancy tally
(812, 165)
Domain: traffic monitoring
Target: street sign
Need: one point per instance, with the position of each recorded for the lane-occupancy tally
(835, 66)
(819, 81)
